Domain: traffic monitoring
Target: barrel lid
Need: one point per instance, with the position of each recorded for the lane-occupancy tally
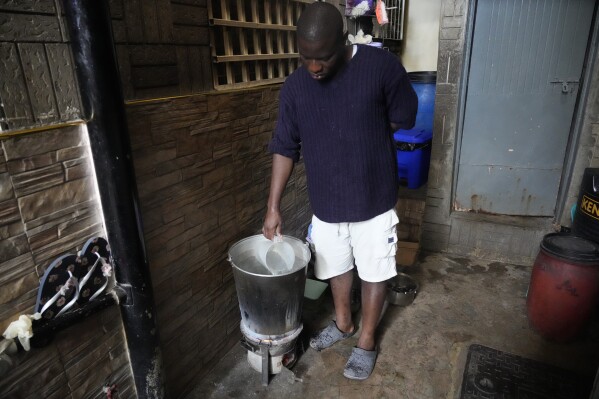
(416, 135)
(423, 76)
(571, 247)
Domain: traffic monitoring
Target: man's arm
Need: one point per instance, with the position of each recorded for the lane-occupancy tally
(281, 170)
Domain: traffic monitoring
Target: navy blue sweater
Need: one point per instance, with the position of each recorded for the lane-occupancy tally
(342, 127)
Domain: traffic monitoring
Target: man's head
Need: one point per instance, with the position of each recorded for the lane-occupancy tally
(321, 40)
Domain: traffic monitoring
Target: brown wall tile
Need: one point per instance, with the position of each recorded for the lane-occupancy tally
(203, 174)
(45, 214)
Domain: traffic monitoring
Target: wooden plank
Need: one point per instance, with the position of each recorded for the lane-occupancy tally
(251, 25)
(268, 38)
(245, 76)
(206, 64)
(255, 16)
(160, 54)
(189, 15)
(210, 10)
(244, 85)
(228, 53)
(65, 86)
(290, 18)
(267, 15)
(253, 57)
(259, 69)
(116, 9)
(270, 71)
(165, 20)
(278, 14)
(123, 53)
(256, 40)
(191, 35)
(150, 21)
(229, 73)
(279, 36)
(240, 11)
(13, 92)
(291, 43)
(133, 21)
(224, 10)
(154, 76)
(119, 31)
(186, 70)
(243, 42)
(39, 81)
(228, 48)
(201, 3)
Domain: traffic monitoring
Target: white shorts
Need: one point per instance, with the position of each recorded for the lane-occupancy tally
(371, 244)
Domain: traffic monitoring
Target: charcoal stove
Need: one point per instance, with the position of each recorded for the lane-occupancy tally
(270, 305)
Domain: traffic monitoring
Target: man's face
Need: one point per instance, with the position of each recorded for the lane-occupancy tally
(322, 58)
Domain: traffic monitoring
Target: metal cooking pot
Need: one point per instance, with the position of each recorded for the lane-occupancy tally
(401, 290)
(270, 305)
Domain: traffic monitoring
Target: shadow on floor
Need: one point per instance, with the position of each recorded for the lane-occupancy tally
(423, 347)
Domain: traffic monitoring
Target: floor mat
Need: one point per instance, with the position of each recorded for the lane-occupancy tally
(493, 374)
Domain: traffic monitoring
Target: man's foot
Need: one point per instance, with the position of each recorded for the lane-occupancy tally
(360, 364)
(328, 336)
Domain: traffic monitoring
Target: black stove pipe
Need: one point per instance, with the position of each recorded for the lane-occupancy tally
(103, 106)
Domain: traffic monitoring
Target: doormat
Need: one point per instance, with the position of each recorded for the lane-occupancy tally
(492, 374)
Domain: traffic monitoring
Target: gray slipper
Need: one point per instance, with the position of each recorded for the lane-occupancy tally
(360, 364)
(328, 336)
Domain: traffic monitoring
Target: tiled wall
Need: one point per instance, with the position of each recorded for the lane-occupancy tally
(162, 48)
(202, 171)
(49, 207)
(203, 174)
(37, 82)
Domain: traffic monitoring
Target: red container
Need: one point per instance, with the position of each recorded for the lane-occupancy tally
(564, 286)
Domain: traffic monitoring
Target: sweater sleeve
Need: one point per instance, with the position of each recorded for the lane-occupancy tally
(286, 139)
(401, 98)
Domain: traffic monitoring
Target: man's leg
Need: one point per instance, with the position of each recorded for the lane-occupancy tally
(374, 245)
(334, 262)
(373, 299)
(341, 288)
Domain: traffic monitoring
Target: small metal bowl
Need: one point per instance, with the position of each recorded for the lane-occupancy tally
(401, 290)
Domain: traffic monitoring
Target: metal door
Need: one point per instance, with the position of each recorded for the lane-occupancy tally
(525, 68)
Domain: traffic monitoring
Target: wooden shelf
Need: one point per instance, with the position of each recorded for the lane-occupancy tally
(253, 41)
(250, 25)
(254, 57)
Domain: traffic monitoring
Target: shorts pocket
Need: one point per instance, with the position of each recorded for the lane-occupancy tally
(386, 246)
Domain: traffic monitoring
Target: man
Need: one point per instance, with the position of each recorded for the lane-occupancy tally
(341, 108)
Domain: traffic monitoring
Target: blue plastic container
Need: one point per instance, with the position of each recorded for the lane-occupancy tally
(425, 86)
(413, 155)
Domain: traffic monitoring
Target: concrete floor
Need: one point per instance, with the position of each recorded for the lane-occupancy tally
(423, 347)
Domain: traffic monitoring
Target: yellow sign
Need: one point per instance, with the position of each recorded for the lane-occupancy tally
(590, 207)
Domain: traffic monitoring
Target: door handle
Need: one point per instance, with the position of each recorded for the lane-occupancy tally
(565, 84)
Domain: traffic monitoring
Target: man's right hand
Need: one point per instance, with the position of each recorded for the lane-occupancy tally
(281, 170)
(272, 224)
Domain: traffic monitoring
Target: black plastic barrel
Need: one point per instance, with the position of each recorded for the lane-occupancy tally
(586, 217)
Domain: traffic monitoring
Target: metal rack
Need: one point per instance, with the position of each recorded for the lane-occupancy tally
(391, 31)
